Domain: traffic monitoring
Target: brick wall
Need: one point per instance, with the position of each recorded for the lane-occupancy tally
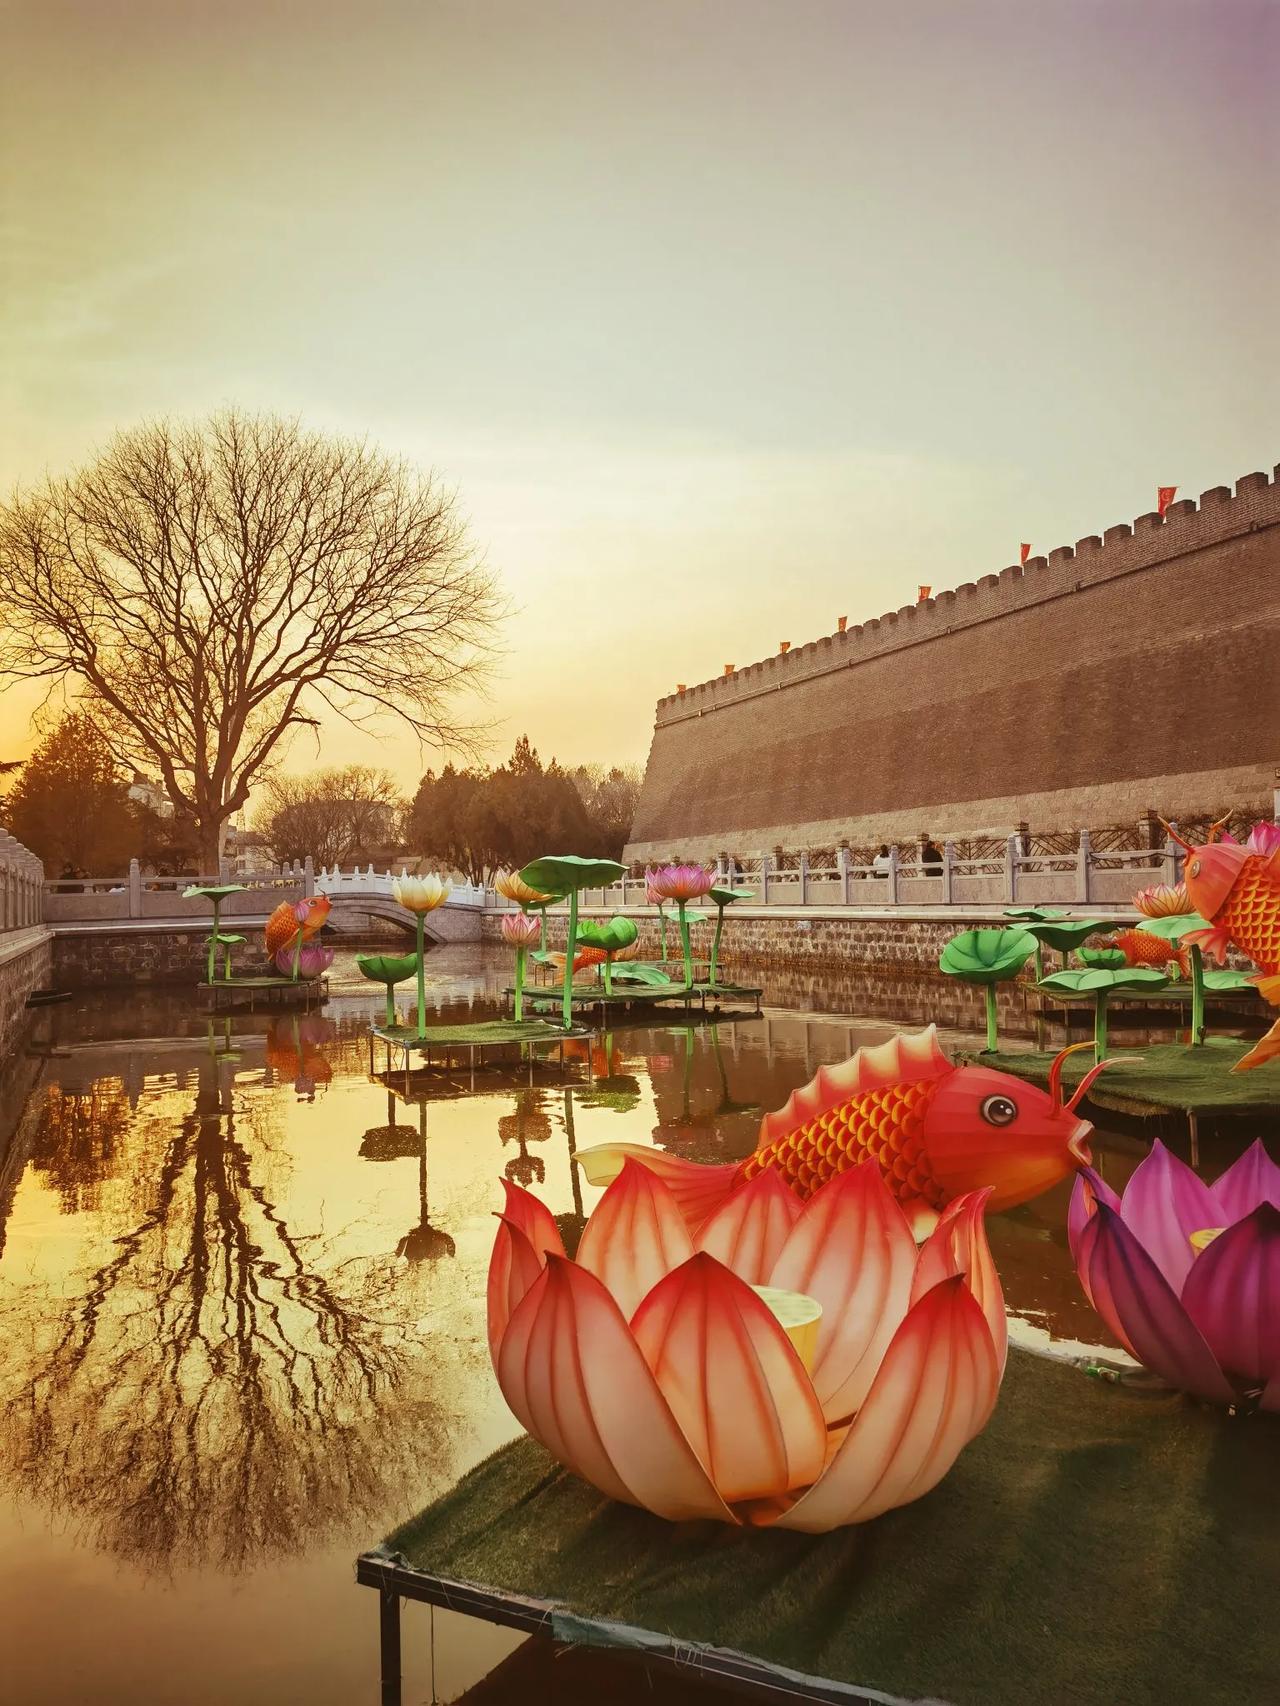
(96, 958)
(1120, 674)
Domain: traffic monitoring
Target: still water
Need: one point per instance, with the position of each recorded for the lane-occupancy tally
(242, 1312)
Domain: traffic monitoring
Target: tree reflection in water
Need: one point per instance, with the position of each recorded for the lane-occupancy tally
(210, 1393)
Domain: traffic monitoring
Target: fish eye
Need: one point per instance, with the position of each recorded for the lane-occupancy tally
(999, 1110)
(1195, 867)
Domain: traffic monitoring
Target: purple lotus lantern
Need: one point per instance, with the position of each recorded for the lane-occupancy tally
(1187, 1275)
(308, 960)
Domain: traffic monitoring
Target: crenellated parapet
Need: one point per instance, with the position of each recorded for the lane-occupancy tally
(1188, 526)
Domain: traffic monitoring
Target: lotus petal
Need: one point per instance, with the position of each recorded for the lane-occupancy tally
(534, 1219)
(1163, 1204)
(1090, 1188)
(852, 1250)
(635, 1236)
(733, 1381)
(1136, 1301)
(1252, 1179)
(748, 1230)
(934, 1390)
(514, 1268)
(574, 1376)
(958, 1245)
(1233, 1296)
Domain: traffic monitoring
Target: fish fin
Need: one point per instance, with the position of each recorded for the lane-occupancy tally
(1265, 1049)
(1214, 940)
(1268, 987)
(921, 1218)
(698, 1189)
(901, 1060)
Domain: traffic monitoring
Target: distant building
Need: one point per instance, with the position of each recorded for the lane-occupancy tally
(150, 794)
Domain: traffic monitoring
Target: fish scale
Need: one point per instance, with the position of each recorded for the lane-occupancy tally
(885, 1125)
(1251, 915)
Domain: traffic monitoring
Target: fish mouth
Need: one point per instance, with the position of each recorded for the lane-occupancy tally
(1078, 1146)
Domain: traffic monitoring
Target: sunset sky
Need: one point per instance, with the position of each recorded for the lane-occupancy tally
(725, 318)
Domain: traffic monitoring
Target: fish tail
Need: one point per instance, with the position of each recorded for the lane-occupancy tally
(699, 1190)
(1265, 1049)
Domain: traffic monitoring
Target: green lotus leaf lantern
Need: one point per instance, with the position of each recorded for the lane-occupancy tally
(565, 874)
(723, 896)
(1101, 959)
(388, 969)
(1096, 985)
(1036, 914)
(1172, 928)
(610, 938)
(215, 893)
(1226, 978)
(1066, 935)
(636, 971)
(222, 939)
(987, 957)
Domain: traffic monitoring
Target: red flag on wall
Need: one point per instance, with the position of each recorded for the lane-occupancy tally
(1024, 551)
(1164, 497)
(923, 592)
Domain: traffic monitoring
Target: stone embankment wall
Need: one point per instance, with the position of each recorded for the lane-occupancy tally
(97, 958)
(1125, 673)
(780, 938)
(25, 964)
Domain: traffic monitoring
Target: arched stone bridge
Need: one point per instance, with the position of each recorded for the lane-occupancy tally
(359, 896)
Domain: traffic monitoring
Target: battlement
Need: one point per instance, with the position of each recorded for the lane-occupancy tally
(1187, 526)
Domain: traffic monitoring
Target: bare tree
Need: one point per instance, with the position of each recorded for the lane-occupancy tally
(335, 815)
(213, 587)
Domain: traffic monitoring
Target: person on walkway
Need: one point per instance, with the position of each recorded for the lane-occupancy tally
(882, 864)
(931, 857)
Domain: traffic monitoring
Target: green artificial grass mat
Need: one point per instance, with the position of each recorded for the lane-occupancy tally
(1154, 1079)
(1091, 1548)
(478, 1034)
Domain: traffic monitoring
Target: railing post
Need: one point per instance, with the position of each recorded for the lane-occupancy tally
(309, 876)
(1011, 852)
(948, 861)
(1172, 860)
(842, 864)
(764, 879)
(1084, 857)
(804, 879)
(893, 875)
(135, 889)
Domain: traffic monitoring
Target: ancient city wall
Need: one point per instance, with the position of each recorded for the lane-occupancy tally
(1130, 672)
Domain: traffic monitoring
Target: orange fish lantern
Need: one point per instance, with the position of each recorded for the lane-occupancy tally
(1237, 888)
(934, 1129)
(294, 921)
(1141, 948)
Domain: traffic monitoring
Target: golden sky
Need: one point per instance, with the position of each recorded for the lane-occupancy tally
(726, 318)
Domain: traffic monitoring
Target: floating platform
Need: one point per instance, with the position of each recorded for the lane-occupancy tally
(1098, 1543)
(624, 995)
(252, 992)
(475, 1041)
(1161, 1079)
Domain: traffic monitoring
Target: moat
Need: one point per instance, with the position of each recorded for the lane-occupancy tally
(242, 1307)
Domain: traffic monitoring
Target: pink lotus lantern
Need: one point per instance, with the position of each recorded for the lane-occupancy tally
(797, 1364)
(1187, 1275)
(1163, 900)
(521, 931)
(680, 883)
(306, 959)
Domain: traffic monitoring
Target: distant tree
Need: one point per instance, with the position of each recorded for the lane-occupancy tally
(337, 815)
(609, 797)
(214, 587)
(71, 803)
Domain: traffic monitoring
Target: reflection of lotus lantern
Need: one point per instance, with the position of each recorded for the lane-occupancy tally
(1187, 1275)
(653, 1368)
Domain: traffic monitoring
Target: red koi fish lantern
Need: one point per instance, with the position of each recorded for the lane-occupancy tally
(1237, 888)
(935, 1130)
(292, 919)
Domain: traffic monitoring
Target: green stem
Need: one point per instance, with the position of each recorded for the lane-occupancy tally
(520, 952)
(421, 918)
(1197, 996)
(715, 944)
(1100, 1026)
(542, 943)
(391, 1003)
(213, 940)
(989, 989)
(226, 963)
(570, 943)
(1039, 961)
(684, 943)
(297, 954)
(607, 969)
